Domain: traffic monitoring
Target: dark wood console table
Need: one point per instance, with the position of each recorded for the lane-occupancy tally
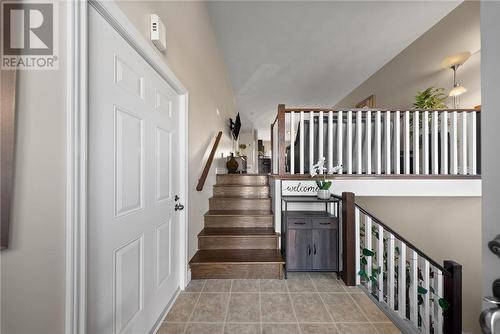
(310, 239)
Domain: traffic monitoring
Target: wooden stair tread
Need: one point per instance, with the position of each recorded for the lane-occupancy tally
(222, 174)
(239, 213)
(238, 231)
(242, 198)
(242, 179)
(237, 256)
(242, 185)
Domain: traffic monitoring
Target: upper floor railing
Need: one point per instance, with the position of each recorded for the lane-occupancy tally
(377, 141)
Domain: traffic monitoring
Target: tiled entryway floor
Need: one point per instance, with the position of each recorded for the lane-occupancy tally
(304, 303)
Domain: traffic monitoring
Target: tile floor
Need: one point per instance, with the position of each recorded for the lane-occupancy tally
(304, 303)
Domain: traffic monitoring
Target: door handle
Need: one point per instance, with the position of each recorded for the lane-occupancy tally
(179, 207)
(494, 245)
(314, 249)
(309, 249)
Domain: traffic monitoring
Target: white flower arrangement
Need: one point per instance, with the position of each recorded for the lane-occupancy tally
(319, 168)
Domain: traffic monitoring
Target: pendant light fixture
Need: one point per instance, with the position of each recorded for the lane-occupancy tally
(454, 62)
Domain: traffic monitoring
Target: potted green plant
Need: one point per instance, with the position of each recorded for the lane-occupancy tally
(430, 98)
(323, 185)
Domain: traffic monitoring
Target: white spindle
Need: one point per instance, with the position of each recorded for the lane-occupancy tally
(431, 304)
(368, 142)
(349, 142)
(292, 142)
(397, 142)
(472, 147)
(473, 143)
(378, 142)
(407, 142)
(380, 263)
(311, 140)
(444, 142)
(368, 245)
(425, 142)
(416, 143)
(301, 143)
(359, 142)
(425, 311)
(402, 281)
(330, 140)
(454, 143)
(388, 142)
(463, 151)
(438, 326)
(320, 137)
(413, 293)
(340, 127)
(390, 268)
(435, 151)
(357, 245)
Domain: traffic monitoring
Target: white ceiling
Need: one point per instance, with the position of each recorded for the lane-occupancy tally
(309, 53)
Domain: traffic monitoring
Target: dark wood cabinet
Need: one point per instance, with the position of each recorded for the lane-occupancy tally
(299, 250)
(311, 241)
(325, 249)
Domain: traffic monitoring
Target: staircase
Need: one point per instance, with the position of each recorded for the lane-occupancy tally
(238, 240)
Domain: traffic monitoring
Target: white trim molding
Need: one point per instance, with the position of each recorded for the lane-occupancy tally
(76, 192)
(77, 147)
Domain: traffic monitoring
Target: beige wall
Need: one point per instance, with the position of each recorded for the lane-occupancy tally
(33, 268)
(419, 65)
(194, 57)
(445, 229)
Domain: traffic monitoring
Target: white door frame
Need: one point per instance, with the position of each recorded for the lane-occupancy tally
(77, 147)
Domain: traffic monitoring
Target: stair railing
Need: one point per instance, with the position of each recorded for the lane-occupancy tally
(208, 164)
(377, 141)
(397, 274)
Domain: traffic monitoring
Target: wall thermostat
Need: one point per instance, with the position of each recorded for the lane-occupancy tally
(158, 33)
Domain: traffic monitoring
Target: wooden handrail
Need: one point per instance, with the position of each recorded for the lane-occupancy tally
(204, 174)
(401, 238)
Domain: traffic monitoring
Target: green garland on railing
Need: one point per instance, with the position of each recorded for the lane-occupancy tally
(376, 270)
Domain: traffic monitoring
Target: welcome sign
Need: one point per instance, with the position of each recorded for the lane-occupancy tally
(299, 188)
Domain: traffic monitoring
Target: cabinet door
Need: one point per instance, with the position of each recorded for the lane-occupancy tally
(299, 249)
(325, 249)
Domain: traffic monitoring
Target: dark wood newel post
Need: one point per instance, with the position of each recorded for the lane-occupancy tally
(281, 140)
(272, 148)
(452, 318)
(348, 239)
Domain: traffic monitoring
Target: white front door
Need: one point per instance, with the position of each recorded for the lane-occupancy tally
(133, 241)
